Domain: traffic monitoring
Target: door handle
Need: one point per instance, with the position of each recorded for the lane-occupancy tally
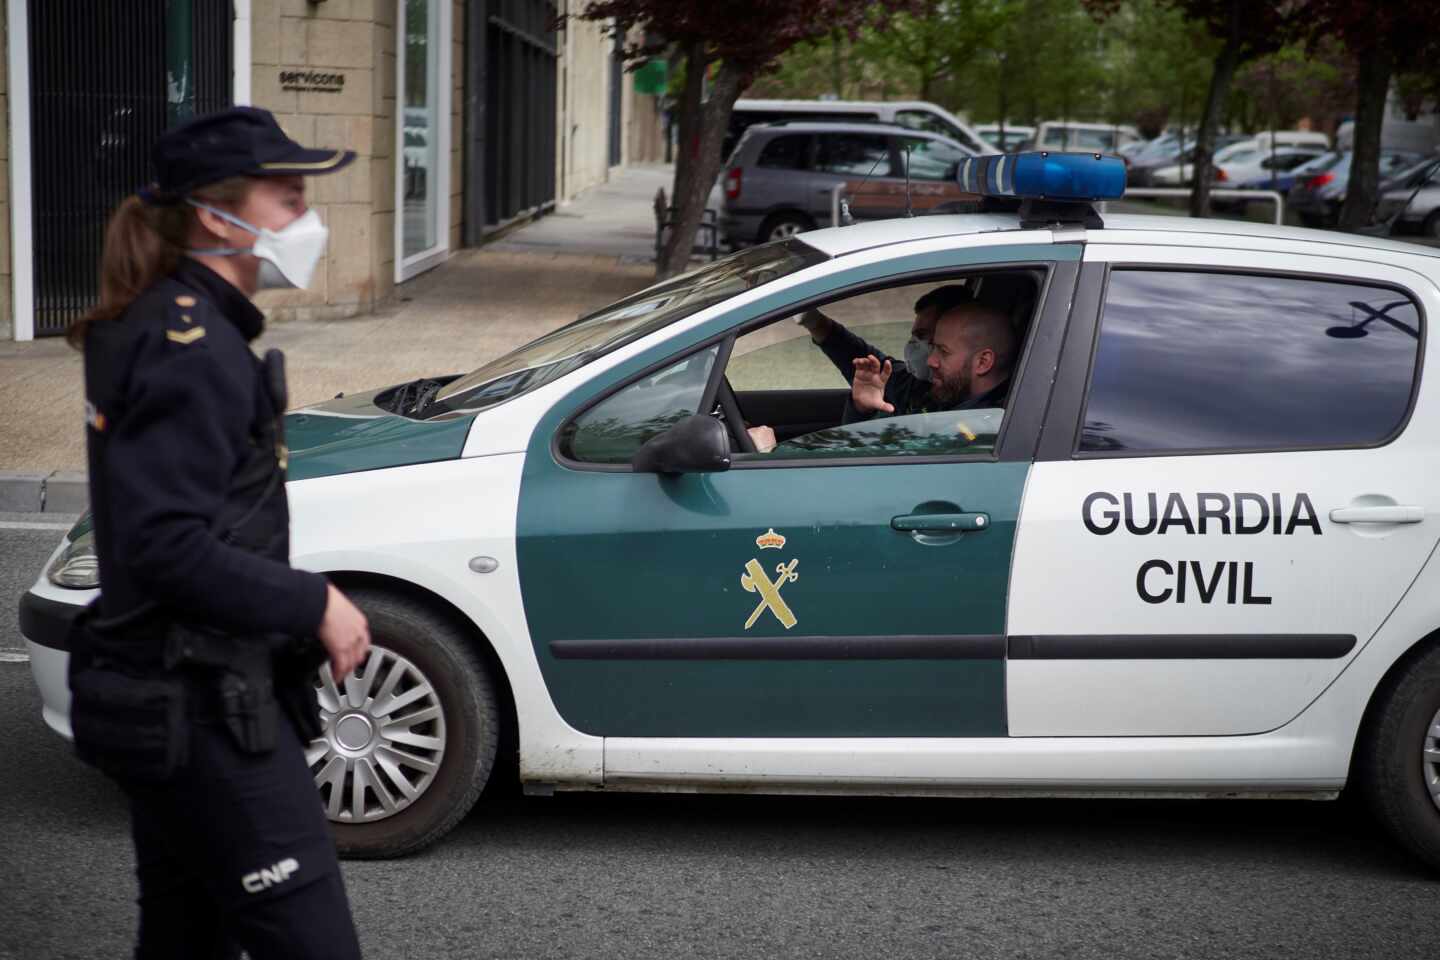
(1385, 514)
(940, 522)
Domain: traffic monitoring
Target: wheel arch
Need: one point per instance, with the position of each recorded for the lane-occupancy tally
(508, 756)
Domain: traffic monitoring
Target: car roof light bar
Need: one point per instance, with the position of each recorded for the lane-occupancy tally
(1046, 187)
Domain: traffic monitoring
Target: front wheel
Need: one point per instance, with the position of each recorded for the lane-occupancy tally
(410, 737)
(1399, 759)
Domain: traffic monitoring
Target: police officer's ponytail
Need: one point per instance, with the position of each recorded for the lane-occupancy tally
(143, 242)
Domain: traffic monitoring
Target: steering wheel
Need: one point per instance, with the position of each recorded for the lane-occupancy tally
(730, 413)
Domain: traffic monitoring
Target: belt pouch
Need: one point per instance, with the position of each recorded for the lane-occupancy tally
(250, 711)
(129, 724)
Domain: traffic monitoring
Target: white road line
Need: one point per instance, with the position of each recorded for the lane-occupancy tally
(9, 656)
(25, 525)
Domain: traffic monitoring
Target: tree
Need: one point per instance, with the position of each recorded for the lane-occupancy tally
(724, 47)
(1385, 39)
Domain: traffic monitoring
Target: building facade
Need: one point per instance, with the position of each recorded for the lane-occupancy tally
(468, 116)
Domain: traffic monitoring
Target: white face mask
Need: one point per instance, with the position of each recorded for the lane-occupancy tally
(288, 256)
(917, 357)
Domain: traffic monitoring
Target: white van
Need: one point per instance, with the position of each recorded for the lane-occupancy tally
(915, 114)
(1292, 138)
(1069, 135)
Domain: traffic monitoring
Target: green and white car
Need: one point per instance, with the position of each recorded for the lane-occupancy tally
(1192, 556)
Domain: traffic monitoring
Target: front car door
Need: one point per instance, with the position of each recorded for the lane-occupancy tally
(1231, 495)
(789, 596)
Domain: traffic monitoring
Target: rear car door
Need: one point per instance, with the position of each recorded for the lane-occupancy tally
(1233, 490)
(804, 594)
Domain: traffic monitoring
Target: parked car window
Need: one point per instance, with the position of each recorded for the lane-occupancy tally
(931, 159)
(924, 120)
(857, 154)
(786, 153)
(612, 430)
(1191, 361)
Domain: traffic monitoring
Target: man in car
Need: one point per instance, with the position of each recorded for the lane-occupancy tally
(973, 352)
(909, 386)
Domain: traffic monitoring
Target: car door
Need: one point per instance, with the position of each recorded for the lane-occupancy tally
(800, 595)
(860, 162)
(1232, 492)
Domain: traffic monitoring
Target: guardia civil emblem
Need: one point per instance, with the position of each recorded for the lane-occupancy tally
(756, 580)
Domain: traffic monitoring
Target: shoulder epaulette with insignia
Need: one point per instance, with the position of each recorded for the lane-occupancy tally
(186, 337)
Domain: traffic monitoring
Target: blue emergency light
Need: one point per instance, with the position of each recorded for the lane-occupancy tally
(1066, 177)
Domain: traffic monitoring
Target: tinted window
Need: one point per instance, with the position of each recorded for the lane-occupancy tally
(786, 153)
(1197, 361)
(612, 430)
(857, 154)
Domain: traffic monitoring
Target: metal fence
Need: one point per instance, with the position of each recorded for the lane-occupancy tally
(520, 93)
(98, 101)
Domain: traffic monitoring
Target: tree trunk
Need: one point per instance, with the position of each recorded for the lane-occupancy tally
(1225, 63)
(691, 99)
(1373, 84)
(702, 167)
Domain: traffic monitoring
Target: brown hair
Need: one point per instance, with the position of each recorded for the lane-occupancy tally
(143, 243)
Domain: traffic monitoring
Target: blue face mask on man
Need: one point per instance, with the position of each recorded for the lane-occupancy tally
(917, 357)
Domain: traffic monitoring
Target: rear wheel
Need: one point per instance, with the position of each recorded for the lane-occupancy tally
(1399, 759)
(781, 226)
(410, 737)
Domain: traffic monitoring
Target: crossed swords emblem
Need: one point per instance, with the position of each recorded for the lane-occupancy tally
(755, 580)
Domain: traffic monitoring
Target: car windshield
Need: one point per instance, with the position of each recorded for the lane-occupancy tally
(571, 347)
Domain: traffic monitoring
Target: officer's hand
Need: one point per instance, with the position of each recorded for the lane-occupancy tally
(867, 390)
(344, 632)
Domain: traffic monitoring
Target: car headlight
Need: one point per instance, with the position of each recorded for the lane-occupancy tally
(77, 567)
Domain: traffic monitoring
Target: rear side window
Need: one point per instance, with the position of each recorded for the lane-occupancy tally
(786, 153)
(854, 154)
(1190, 362)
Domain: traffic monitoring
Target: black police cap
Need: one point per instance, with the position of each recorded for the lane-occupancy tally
(241, 141)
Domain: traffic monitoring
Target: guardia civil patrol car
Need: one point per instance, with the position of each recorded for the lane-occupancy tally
(1190, 554)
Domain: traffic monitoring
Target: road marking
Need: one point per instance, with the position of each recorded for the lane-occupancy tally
(25, 525)
(9, 656)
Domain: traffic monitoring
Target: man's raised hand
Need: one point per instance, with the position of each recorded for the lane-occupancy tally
(867, 390)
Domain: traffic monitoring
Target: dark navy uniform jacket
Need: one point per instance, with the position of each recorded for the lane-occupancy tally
(178, 412)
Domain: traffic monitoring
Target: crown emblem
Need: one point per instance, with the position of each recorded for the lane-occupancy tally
(770, 540)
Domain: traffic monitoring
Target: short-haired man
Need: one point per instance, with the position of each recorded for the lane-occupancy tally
(973, 353)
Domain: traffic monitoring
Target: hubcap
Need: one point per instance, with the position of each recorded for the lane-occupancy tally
(383, 742)
(1432, 758)
(782, 230)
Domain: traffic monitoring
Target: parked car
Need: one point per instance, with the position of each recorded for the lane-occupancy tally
(1070, 135)
(1142, 170)
(1282, 181)
(1317, 197)
(1191, 554)
(781, 176)
(1181, 174)
(1015, 135)
(915, 114)
(1416, 198)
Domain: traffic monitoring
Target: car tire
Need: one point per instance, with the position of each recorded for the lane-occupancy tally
(421, 648)
(779, 226)
(1398, 764)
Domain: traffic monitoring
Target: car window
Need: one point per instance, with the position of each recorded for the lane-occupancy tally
(786, 153)
(931, 159)
(914, 435)
(924, 120)
(857, 154)
(1194, 361)
(574, 345)
(612, 430)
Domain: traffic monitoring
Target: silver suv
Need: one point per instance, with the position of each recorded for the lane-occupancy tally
(781, 177)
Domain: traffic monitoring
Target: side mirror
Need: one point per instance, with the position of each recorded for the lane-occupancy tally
(697, 444)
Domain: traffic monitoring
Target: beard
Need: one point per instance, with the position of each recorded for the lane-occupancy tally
(954, 389)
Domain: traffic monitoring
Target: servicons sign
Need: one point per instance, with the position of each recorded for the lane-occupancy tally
(1164, 580)
(755, 580)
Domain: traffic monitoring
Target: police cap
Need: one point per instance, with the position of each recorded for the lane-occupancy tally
(241, 141)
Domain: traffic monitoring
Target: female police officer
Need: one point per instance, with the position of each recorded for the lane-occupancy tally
(188, 682)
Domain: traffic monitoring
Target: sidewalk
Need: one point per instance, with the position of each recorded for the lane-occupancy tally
(477, 306)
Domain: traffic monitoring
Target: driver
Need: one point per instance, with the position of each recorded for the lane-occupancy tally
(970, 362)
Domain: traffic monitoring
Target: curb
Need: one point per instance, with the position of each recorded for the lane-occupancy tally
(60, 491)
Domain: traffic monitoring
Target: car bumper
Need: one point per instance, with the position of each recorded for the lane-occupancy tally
(45, 626)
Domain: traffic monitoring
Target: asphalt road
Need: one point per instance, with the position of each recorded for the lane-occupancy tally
(595, 875)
